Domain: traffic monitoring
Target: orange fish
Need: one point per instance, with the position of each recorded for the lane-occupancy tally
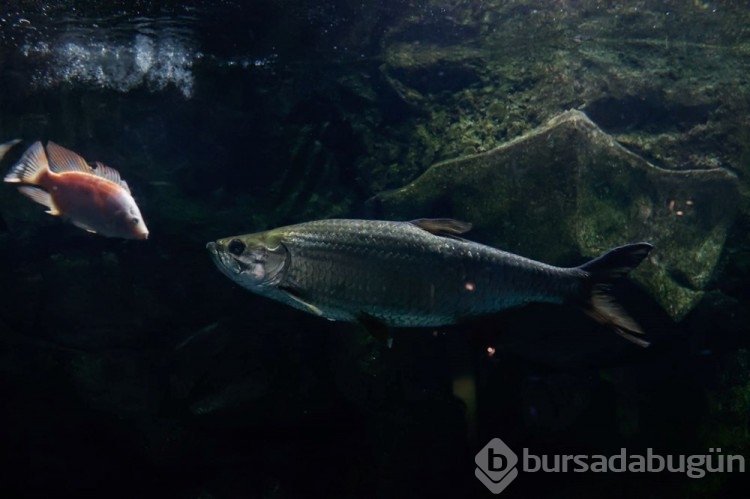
(94, 199)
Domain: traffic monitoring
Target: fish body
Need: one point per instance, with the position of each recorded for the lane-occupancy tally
(406, 274)
(94, 199)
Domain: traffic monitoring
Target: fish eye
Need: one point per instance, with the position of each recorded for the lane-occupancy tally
(135, 221)
(236, 247)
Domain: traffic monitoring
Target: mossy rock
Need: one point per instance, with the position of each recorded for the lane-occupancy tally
(567, 189)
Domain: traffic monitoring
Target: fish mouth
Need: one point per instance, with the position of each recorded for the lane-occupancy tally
(224, 261)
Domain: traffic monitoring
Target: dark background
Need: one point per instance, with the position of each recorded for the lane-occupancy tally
(135, 368)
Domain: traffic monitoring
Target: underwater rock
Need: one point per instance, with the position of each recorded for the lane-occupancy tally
(426, 69)
(585, 193)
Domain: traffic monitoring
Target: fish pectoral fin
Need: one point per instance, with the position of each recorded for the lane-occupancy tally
(377, 328)
(442, 226)
(307, 306)
(83, 226)
(40, 196)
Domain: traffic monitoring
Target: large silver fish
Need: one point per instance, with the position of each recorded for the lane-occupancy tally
(419, 273)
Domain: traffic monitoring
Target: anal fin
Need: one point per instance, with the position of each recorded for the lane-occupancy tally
(40, 196)
(377, 329)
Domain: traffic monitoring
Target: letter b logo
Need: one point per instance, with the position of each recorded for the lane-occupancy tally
(496, 462)
(496, 465)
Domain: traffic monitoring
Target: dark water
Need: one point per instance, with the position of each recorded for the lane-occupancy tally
(132, 368)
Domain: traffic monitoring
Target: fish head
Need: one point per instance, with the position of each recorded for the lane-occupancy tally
(128, 221)
(254, 261)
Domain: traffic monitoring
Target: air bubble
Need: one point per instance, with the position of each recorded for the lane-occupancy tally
(154, 61)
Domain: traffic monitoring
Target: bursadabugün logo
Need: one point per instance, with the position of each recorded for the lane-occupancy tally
(496, 464)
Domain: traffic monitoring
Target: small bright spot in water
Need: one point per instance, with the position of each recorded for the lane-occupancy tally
(469, 286)
(490, 351)
(679, 213)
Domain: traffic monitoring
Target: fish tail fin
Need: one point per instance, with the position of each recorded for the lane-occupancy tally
(31, 168)
(599, 303)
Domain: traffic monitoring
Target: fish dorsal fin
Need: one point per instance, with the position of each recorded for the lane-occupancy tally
(442, 226)
(64, 160)
(110, 174)
(30, 168)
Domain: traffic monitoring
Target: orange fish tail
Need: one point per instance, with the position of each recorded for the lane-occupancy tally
(32, 168)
